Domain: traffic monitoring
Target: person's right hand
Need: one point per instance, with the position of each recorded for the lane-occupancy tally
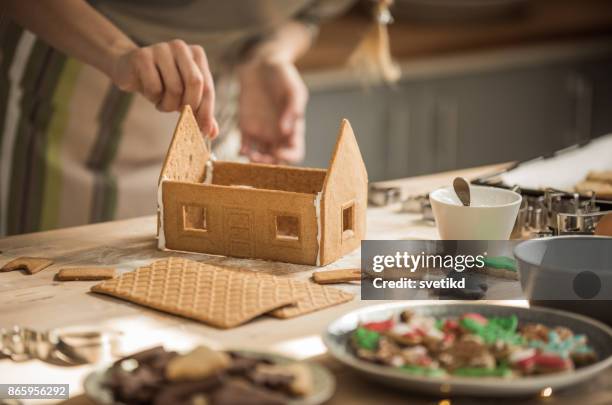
(170, 75)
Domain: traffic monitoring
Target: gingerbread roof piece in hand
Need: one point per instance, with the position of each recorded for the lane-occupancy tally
(288, 214)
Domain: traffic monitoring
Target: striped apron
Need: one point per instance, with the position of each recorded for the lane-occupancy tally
(74, 149)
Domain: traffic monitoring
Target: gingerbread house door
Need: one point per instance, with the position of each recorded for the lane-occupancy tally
(239, 235)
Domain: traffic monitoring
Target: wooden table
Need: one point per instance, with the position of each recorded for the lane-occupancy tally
(39, 302)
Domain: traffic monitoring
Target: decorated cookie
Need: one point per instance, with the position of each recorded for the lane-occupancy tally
(471, 345)
(366, 339)
(381, 326)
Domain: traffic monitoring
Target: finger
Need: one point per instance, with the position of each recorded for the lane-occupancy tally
(173, 86)
(215, 129)
(261, 157)
(295, 104)
(148, 76)
(293, 150)
(261, 153)
(191, 76)
(244, 148)
(245, 142)
(206, 110)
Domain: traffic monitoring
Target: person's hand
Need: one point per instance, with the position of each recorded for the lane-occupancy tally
(271, 111)
(170, 75)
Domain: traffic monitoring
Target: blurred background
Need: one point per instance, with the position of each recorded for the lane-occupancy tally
(483, 81)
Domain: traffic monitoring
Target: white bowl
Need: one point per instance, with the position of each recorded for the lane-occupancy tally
(490, 216)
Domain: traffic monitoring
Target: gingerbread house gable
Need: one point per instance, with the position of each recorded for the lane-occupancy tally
(344, 199)
(187, 154)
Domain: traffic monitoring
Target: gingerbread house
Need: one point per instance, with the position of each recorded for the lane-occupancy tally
(289, 214)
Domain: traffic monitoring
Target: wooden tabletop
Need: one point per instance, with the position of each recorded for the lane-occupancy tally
(39, 302)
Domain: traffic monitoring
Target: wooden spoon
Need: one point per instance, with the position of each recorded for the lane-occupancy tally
(462, 189)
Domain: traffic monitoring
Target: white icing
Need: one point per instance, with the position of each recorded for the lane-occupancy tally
(208, 177)
(161, 236)
(520, 355)
(317, 204)
(401, 329)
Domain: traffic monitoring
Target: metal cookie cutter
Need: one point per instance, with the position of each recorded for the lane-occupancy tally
(69, 346)
(380, 196)
(418, 205)
(87, 346)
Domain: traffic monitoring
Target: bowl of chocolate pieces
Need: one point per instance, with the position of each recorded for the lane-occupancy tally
(471, 349)
(209, 377)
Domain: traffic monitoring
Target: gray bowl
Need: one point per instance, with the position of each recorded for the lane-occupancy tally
(599, 335)
(573, 273)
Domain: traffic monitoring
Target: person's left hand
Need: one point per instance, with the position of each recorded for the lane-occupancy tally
(272, 103)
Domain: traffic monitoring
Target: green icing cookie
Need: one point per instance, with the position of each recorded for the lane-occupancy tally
(500, 371)
(508, 324)
(497, 329)
(472, 325)
(366, 339)
(500, 262)
(424, 371)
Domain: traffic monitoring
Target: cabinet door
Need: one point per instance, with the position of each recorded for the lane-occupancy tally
(409, 149)
(501, 116)
(368, 112)
(596, 81)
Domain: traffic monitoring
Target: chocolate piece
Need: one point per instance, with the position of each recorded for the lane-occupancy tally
(271, 376)
(160, 362)
(238, 391)
(242, 364)
(145, 356)
(182, 392)
(137, 386)
(144, 380)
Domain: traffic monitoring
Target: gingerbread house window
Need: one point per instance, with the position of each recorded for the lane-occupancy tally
(287, 227)
(348, 220)
(194, 218)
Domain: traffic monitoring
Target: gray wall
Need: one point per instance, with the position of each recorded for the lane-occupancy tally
(459, 120)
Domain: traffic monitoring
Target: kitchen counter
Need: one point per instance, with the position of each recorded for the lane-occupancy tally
(544, 21)
(39, 302)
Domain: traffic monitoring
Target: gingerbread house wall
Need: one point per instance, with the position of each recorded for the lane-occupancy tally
(269, 177)
(345, 191)
(239, 222)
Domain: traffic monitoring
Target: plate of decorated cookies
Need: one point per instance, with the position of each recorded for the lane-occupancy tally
(210, 377)
(471, 349)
